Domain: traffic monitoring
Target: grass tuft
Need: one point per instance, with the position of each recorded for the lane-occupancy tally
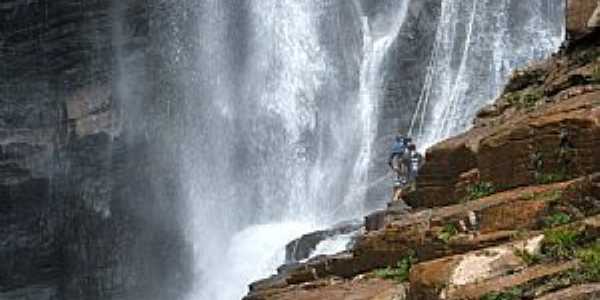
(479, 190)
(590, 262)
(528, 258)
(448, 232)
(400, 272)
(596, 74)
(560, 243)
(557, 219)
(548, 178)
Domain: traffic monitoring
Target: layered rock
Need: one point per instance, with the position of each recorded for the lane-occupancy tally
(78, 216)
(489, 204)
(545, 125)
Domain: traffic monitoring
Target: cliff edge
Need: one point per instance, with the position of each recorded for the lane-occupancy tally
(507, 210)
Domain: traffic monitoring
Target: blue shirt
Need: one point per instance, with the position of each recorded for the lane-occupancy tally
(398, 148)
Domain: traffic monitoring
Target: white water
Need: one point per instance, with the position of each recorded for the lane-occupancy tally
(333, 245)
(284, 145)
(478, 44)
(281, 111)
(254, 253)
(378, 36)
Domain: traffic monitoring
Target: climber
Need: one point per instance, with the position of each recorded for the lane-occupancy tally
(415, 162)
(398, 159)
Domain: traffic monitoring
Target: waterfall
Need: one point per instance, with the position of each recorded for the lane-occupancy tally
(478, 44)
(277, 128)
(277, 107)
(378, 36)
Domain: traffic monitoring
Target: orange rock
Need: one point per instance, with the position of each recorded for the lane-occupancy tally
(331, 289)
(579, 13)
(579, 292)
(558, 139)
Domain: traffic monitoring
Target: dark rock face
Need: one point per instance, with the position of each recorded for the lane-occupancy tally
(85, 210)
(302, 247)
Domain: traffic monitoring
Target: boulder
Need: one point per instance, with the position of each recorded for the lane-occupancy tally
(360, 288)
(439, 278)
(495, 269)
(301, 248)
(578, 292)
(594, 20)
(578, 14)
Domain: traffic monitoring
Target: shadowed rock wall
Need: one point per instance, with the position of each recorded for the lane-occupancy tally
(84, 213)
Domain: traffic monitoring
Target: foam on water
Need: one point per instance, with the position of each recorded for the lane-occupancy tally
(254, 252)
(333, 245)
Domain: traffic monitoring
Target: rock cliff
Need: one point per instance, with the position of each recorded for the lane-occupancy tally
(77, 217)
(508, 210)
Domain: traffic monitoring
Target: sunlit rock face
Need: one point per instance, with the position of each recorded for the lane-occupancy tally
(580, 15)
(77, 219)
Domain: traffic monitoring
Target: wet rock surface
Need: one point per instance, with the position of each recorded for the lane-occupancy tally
(488, 203)
(304, 246)
(77, 219)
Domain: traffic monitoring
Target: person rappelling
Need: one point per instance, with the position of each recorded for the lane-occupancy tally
(416, 160)
(404, 160)
(398, 159)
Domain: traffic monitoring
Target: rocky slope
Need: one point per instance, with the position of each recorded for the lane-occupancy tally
(508, 210)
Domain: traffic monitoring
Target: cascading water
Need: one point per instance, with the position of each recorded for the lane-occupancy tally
(378, 36)
(478, 44)
(285, 112)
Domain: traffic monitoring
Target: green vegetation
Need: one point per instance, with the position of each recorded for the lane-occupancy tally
(546, 178)
(596, 74)
(560, 243)
(448, 232)
(513, 294)
(531, 97)
(520, 234)
(585, 57)
(528, 258)
(557, 219)
(590, 262)
(400, 272)
(547, 196)
(479, 190)
(525, 99)
(551, 196)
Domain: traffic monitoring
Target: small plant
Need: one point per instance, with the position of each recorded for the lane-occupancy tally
(400, 272)
(531, 97)
(546, 178)
(560, 242)
(525, 99)
(447, 233)
(528, 258)
(520, 234)
(557, 219)
(590, 261)
(513, 99)
(547, 196)
(479, 190)
(513, 294)
(596, 74)
(551, 196)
